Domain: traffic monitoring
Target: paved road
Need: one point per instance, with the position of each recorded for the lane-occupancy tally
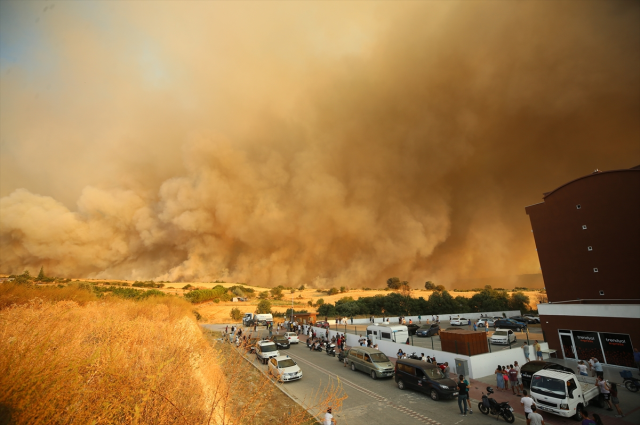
(379, 401)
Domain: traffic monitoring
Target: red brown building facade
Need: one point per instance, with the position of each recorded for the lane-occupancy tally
(587, 234)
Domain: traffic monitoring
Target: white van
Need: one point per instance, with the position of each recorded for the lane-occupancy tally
(393, 333)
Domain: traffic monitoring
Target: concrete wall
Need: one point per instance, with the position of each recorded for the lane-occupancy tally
(443, 317)
(486, 364)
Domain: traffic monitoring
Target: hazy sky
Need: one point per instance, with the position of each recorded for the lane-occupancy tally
(326, 143)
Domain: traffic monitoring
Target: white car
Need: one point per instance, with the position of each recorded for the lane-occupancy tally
(485, 323)
(284, 368)
(459, 321)
(265, 350)
(503, 336)
(292, 337)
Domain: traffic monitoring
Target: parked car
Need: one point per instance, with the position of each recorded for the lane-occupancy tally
(424, 377)
(281, 341)
(284, 368)
(510, 324)
(371, 361)
(265, 350)
(503, 336)
(292, 337)
(523, 319)
(459, 321)
(535, 318)
(528, 369)
(322, 324)
(428, 330)
(485, 323)
(412, 328)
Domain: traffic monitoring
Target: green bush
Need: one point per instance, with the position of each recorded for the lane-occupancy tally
(202, 295)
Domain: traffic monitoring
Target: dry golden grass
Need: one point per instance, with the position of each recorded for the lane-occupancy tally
(11, 293)
(120, 361)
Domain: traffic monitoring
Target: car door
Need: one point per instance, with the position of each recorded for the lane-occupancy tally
(511, 336)
(408, 374)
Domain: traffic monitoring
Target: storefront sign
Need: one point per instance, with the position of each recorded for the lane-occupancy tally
(587, 345)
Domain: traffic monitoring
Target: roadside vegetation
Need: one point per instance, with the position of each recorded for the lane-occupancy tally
(78, 354)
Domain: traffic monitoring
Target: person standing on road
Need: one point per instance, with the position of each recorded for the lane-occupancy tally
(420, 320)
(615, 400)
(468, 396)
(582, 368)
(527, 402)
(591, 362)
(462, 395)
(475, 326)
(513, 379)
(519, 377)
(499, 378)
(604, 391)
(538, 350)
(328, 418)
(534, 418)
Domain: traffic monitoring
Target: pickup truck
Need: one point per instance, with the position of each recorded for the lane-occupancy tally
(563, 393)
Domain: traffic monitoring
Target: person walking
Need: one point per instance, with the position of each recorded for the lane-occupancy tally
(468, 396)
(505, 376)
(538, 350)
(462, 396)
(528, 403)
(605, 391)
(615, 400)
(534, 418)
(420, 320)
(499, 378)
(513, 380)
(328, 418)
(526, 348)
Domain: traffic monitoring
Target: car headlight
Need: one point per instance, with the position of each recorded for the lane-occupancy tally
(444, 387)
(564, 406)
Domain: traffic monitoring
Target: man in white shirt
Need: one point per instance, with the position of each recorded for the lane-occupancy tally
(519, 377)
(424, 359)
(527, 402)
(534, 418)
(328, 418)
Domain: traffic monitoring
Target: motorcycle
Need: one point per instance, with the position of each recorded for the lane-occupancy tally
(413, 356)
(331, 349)
(630, 383)
(490, 405)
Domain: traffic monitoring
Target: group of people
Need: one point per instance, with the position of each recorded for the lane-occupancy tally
(509, 376)
(537, 350)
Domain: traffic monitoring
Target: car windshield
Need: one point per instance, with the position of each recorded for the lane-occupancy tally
(269, 348)
(435, 373)
(286, 363)
(379, 357)
(550, 387)
(500, 333)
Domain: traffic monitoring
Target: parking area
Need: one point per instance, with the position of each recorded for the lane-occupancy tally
(534, 333)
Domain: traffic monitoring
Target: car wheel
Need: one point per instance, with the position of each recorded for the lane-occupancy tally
(578, 416)
(400, 384)
(515, 339)
(353, 367)
(434, 395)
(631, 386)
(373, 374)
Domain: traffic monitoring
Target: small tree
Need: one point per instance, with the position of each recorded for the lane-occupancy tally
(277, 293)
(429, 286)
(263, 295)
(301, 288)
(310, 303)
(236, 314)
(238, 292)
(332, 291)
(319, 302)
(343, 289)
(41, 275)
(440, 288)
(264, 307)
(393, 283)
(293, 291)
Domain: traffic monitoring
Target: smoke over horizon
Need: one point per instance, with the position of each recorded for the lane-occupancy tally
(324, 144)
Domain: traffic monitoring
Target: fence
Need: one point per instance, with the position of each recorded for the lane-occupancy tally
(394, 319)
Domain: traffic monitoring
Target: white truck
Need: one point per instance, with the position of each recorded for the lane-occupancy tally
(393, 333)
(250, 319)
(563, 393)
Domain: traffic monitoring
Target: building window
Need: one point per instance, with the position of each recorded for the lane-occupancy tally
(578, 206)
(590, 248)
(595, 270)
(584, 227)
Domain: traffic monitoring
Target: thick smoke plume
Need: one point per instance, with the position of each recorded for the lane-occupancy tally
(316, 143)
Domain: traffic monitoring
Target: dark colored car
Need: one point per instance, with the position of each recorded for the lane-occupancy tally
(412, 328)
(425, 377)
(428, 330)
(281, 341)
(510, 324)
(523, 319)
(528, 369)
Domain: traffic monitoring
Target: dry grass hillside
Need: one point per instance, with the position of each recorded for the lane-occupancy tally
(69, 357)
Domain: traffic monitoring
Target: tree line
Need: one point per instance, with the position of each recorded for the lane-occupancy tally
(439, 302)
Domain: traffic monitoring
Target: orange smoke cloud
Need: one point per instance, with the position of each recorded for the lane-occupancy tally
(316, 143)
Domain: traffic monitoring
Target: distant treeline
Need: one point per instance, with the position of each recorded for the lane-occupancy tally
(439, 302)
